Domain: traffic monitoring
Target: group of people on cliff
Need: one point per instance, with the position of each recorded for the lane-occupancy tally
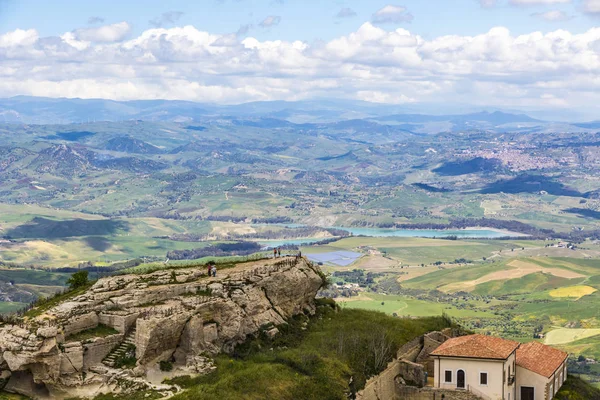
(212, 269)
(277, 252)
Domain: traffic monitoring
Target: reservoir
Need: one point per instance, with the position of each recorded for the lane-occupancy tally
(379, 232)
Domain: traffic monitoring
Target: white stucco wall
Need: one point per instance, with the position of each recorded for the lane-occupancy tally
(472, 368)
(540, 383)
(527, 378)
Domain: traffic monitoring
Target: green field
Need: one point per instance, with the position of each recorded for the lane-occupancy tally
(10, 307)
(406, 306)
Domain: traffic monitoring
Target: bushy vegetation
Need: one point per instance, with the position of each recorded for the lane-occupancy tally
(327, 357)
(576, 389)
(166, 366)
(78, 279)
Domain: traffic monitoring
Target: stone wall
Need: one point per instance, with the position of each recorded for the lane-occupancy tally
(121, 321)
(413, 393)
(385, 385)
(411, 350)
(97, 349)
(431, 341)
(80, 323)
(382, 386)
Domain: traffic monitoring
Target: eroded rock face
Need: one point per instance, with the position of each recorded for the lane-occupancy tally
(172, 315)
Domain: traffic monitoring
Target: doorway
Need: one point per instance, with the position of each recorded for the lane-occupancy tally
(527, 393)
(460, 379)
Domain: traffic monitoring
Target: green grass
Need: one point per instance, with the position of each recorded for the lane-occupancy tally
(46, 304)
(577, 389)
(35, 277)
(315, 363)
(532, 283)
(8, 307)
(408, 307)
(444, 277)
(99, 331)
(11, 396)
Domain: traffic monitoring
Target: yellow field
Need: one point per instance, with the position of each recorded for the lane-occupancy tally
(573, 291)
(566, 335)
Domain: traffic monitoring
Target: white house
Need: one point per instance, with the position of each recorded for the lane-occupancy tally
(541, 371)
(499, 369)
(484, 365)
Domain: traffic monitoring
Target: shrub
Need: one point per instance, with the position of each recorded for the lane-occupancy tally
(78, 279)
(166, 366)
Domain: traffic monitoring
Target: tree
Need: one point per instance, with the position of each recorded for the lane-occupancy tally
(78, 279)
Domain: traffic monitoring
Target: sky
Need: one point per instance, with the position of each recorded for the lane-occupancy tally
(517, 54)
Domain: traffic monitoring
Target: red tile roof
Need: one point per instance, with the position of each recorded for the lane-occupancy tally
(477, 346)
(539, 358)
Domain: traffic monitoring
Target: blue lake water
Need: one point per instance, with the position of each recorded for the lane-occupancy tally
(283, 242)
(430, 233)
(379, 232)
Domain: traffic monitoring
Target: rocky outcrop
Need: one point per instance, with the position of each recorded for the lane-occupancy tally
(177, 316)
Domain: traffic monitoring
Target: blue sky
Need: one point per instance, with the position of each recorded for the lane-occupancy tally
(300, 19)
(511, 54)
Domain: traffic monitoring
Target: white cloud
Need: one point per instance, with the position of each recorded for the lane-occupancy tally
(591, 6)
(391, 14)
(19, 37)
(538, 2)
(494, 68)
(104, 34)
(553, 16)
(271, 20)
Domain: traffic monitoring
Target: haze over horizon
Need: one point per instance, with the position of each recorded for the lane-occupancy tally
(518, 55)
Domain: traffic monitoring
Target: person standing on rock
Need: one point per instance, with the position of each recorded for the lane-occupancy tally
(279, 252)
(209, 269)
(274, 252)
(214, 270)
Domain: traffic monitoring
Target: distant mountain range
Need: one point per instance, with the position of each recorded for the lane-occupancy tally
(273, 114)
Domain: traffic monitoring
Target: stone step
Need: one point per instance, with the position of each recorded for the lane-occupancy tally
(120, 350)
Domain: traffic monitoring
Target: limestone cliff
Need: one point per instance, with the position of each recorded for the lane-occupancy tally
(178, 316)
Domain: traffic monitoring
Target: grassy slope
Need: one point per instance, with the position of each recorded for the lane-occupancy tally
(315, 363)
(576, 389)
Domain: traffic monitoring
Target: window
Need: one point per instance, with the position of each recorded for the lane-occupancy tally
(448, 376)
(483, 378)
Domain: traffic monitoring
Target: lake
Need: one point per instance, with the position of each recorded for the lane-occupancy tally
(430, 233)
(379, 232)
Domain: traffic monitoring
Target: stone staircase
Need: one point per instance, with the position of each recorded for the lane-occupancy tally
(120, 350)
